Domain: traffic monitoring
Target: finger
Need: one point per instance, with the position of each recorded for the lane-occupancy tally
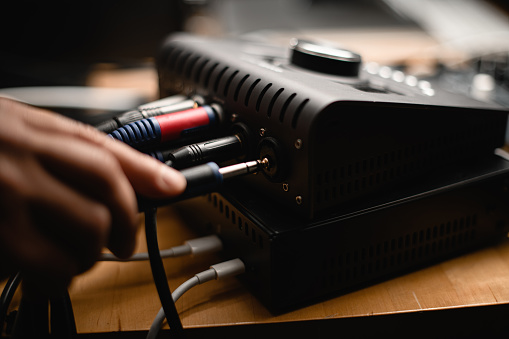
(74, 222)
(97, 174)
(148, 176)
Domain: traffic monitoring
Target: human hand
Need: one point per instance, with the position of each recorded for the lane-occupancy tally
(66, 192)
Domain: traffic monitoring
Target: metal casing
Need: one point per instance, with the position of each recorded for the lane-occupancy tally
(343, 138)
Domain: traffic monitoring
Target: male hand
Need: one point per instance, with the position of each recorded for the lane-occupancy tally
(66, 192)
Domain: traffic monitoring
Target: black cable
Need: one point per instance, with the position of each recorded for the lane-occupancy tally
(63, 324)
(31, 319)
(159, 274)
(200, 179)
(7, 294)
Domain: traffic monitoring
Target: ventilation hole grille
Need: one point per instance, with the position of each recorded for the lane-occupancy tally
(187, 70)
(385, 257)
(234, 218)
(346, 181)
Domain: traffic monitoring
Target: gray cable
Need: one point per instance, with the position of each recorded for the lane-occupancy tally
(159, 319)
(222, 270)
(198, 246)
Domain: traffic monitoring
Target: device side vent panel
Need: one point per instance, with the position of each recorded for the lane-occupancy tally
(346, 181)
(233, 217)
(381, 258)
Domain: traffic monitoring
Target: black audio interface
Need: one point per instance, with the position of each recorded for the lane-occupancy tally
(335, 130)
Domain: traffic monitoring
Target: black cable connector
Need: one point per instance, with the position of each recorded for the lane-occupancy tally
(204, 179)
(159, 107)
(238, 145)
(216, 150)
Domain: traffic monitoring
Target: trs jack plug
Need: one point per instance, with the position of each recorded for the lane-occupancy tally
(167, 105)
(216, 150)
(204, 179)
(169, 127)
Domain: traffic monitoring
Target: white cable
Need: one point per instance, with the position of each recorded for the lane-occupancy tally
(215, 272)
(198, 246)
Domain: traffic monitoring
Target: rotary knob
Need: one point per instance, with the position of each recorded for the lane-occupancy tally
(325, 59)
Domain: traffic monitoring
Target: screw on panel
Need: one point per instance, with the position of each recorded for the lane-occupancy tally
(262, 131)
(298, 200)
(285, 187)
(234, 117)
(298, 144)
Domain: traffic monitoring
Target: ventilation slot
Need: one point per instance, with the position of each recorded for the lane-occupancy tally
(250, 91)
(378, 259)
(229, 82)
(239, 87)
(199, 70)
(297, 113)
(218, 79)
(260, 97)
(232, 216)
(179, 65)
(208, 75)
(273, 102)
(189, 66)
(285, 107)
(367, 175)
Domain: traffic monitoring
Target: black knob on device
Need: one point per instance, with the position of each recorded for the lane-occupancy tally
(324, 58)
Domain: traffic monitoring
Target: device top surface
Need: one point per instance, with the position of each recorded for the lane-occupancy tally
(317, 72)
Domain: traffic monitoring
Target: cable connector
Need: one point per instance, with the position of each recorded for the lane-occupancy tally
(169, 127)
(167, 105)
(199, 246)
(216, 150)
(222, 270)
(204, 179)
